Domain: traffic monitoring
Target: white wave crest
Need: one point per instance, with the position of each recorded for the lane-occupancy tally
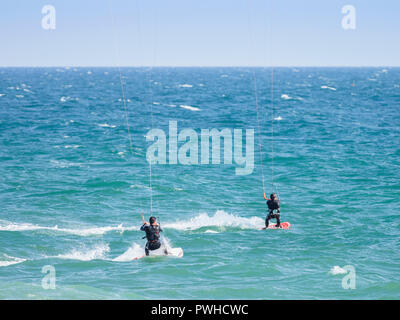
(67, 98)
(210, 231)
(106, 125)
(337, 270)
(10, 261)
(73, 146)
(96, 253)
(189, 108)
(10, 226)
(287, 97)
(330, 88)
(97, 230)
(219, 219)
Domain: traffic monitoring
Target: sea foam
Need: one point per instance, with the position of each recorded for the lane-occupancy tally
(330, 88)
(20, 227)
(219, 219)
(337, 270)
(189, 108)
(85, 254)
(8, 260)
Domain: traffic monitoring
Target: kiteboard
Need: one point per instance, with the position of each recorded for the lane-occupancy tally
(284, 225)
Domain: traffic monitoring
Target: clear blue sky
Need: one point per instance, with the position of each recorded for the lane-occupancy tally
(200, 33)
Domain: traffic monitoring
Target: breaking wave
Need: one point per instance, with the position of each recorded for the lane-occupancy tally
(287, 97)
(11, 226)
(219, 219)
(189, 108)
(96, 253)
(8, 260)
(337, 270)
(330, 88)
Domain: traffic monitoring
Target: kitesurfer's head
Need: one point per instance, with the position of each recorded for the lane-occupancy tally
(152, 220)
(272, 196)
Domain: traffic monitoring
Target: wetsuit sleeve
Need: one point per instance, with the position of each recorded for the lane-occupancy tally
(143, 228)
(161, 230)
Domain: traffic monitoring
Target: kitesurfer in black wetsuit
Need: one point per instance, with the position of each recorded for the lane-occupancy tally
(273, 204)
(152, 234)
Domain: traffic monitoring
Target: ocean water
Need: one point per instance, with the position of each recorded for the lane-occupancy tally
(72, 190)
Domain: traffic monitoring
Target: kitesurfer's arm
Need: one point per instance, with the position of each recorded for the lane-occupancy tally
(265, 197)
(143, 227)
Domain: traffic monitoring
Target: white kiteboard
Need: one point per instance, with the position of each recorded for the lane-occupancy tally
(175, 252)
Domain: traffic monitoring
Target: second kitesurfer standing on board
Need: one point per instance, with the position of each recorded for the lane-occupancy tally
(273, 204)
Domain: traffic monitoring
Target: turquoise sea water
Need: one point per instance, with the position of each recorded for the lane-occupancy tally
(72, 191)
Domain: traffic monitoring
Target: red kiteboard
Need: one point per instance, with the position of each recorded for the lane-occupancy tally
(284, 225)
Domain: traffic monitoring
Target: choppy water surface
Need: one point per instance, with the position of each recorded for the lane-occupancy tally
(72, 191)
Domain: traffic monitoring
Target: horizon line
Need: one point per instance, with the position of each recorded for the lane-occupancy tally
(211, 66)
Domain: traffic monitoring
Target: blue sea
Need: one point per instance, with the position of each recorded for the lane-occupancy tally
(73, 189)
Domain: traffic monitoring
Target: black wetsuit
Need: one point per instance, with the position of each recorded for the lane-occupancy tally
(273, 205)
(153, 237)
